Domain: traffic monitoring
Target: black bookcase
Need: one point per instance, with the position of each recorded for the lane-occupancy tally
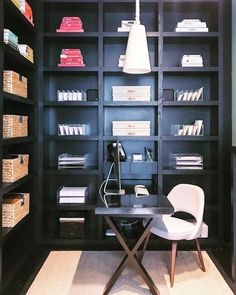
(101, 47)
(17, 242)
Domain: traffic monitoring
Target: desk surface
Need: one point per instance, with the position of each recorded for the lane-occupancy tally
(128, 206)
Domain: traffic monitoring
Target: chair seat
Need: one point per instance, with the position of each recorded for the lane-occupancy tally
(172, 228)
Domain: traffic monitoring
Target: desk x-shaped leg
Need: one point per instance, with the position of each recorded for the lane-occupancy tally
(132, 257)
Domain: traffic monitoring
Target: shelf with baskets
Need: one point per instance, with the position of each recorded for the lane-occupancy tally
(18, 136)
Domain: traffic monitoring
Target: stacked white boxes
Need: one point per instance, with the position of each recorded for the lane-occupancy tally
(131, 93)
(131, 128)
(191, 25)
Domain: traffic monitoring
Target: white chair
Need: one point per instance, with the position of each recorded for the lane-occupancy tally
(184, 198)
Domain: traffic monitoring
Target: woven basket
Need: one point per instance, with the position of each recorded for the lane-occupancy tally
(15, 167)
(15, 126)
(14, 83)
(14, 208)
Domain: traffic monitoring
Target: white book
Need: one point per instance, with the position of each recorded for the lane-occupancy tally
(184, 163)
(121, 29)
(191, 24)
(189, 157)
(68, 191)
(190, 29)
(72, 200)
(191, 65)
(189, 167)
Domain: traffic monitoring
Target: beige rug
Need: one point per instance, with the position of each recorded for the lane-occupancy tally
(86, 273)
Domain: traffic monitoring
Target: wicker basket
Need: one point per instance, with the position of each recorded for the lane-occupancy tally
(15, 167)
(15, 126)
(14, 83)
(14, 208)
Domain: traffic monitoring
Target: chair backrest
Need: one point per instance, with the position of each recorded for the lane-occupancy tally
(190, 199)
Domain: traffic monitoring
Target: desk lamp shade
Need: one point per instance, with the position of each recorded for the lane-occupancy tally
(137, 55)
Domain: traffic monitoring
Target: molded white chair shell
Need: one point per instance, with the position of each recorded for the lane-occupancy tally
(184, 198)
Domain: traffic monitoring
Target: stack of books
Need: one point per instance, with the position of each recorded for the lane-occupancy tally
(191, 25)
(27, 52)
(131, 93)
(71, 58)
(71, 24)
(125, 25)
(187, 161)
(193, 60)
(26, 10)
(11, 39)
(72, 195)
(67, 161)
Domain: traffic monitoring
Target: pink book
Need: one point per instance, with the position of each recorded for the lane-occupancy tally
(71, 65)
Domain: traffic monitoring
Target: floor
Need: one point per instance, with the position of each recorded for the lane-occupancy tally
(86, 272)
(23, 281)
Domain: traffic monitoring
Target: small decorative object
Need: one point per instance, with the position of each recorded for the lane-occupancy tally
(137, 157)
(193, 60)
(192, 130)
(92, 94)
(71, 24)
(71, 58)
(121, 61)
(148, 154)
(191, 25)
(168, 94)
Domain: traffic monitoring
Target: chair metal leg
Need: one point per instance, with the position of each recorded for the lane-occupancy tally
(144, 246)
(200, 255)
(173, 262)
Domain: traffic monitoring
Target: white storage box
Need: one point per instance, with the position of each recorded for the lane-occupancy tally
(131, 128)
(131, 93)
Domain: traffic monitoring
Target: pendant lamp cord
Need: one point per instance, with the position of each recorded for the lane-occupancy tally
(137, 16)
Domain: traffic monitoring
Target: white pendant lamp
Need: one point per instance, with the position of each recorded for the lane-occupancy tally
(137, 55)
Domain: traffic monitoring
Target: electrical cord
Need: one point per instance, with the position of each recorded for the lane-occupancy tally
(131, 223)
(100, 193)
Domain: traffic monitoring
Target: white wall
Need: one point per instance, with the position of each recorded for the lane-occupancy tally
(234, 72)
